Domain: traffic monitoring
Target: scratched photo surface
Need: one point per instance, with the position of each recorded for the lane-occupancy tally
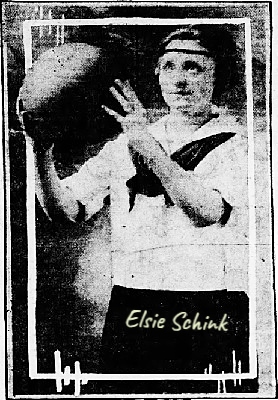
(140, 199)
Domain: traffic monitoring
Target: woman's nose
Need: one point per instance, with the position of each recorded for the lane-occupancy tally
(181, 83)
(180, 80)
(180, 77)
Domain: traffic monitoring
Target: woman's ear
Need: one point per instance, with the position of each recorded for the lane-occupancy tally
(157, 68)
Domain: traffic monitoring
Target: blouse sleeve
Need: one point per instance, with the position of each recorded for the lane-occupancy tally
(227, 173)
(91, 184)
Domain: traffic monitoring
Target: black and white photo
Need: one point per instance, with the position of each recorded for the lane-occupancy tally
(138, 186)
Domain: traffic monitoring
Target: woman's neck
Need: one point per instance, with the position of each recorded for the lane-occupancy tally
(183, 117)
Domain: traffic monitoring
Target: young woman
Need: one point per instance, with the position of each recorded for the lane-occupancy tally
(179, 212)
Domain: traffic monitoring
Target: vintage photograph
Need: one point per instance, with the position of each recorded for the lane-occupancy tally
(138, 199)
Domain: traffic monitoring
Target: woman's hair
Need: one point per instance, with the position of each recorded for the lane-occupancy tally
(219, 43)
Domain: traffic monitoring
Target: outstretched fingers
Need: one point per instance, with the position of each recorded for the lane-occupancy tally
(128, 92)
(127, 107)
(125, 95)
(113, 113)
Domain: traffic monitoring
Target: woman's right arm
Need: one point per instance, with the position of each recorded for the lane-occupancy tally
(57, 200)
(77, 197)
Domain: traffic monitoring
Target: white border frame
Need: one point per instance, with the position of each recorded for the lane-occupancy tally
(77, 376)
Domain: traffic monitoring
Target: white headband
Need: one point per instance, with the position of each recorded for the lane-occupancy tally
(186, 46)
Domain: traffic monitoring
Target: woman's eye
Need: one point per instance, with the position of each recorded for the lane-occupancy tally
(168, 66)
(192, 68)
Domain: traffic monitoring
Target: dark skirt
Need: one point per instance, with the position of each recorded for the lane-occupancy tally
(186, 333)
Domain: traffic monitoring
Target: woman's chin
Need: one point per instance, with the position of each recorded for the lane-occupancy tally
(183, 108)
(190, 109)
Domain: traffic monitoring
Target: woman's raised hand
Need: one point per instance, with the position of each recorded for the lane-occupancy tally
(135, 119)
(135, 122)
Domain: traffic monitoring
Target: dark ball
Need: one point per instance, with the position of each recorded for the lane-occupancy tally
(66, 86)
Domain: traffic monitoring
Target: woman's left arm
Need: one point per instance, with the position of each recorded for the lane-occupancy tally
(202, 204)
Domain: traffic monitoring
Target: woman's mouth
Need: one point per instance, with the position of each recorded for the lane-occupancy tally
(182, 92)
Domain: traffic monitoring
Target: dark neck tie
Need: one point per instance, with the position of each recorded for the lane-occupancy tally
(188, 157)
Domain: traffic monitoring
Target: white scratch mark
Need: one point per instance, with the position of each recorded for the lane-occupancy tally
(50, 26)
(58, 371)
(224, 383)
(67, 376)
(57, 35)
(63, 31)
(239, 371)
(234, 365)
(41, 17)
(210, 369)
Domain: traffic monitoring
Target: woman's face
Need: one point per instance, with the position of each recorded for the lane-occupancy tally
(186, 80)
